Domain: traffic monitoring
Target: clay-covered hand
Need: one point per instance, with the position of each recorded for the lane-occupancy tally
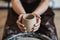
(37, 25)
(19, 23)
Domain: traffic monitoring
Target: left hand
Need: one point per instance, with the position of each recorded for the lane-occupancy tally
(37, 25)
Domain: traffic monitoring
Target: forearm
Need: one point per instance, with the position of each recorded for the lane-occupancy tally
(17, 7)
(42, 7)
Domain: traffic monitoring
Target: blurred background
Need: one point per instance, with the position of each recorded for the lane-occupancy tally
(54, 4)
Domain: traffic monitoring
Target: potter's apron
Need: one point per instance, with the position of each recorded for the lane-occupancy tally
(47, 26)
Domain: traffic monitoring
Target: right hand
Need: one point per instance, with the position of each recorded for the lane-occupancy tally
(19, 23)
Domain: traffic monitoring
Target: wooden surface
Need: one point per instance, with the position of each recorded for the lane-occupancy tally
(57, 22)
(3, 17)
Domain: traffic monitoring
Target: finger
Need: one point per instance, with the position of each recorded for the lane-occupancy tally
(37, 15)
(20, 17)
(36, 28)
(22, 25)
(38, 22)
(33, 29)
(23, 30)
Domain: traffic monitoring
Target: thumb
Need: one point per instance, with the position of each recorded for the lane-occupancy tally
(38, 22)
(20, 17)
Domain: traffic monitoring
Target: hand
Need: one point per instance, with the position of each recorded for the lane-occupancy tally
(19, 23)
(22, 26)
(37, 25)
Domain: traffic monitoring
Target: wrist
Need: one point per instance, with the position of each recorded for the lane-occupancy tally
(37, 14)
(22, 13)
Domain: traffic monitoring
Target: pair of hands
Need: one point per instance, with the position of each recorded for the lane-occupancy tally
(22, 26)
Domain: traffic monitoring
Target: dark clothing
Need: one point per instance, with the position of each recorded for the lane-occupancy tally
(47, 26)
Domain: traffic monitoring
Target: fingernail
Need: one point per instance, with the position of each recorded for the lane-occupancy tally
(23, 25)
(25, 31)
(25, 28)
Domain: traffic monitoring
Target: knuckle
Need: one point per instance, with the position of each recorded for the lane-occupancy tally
(23, 30)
